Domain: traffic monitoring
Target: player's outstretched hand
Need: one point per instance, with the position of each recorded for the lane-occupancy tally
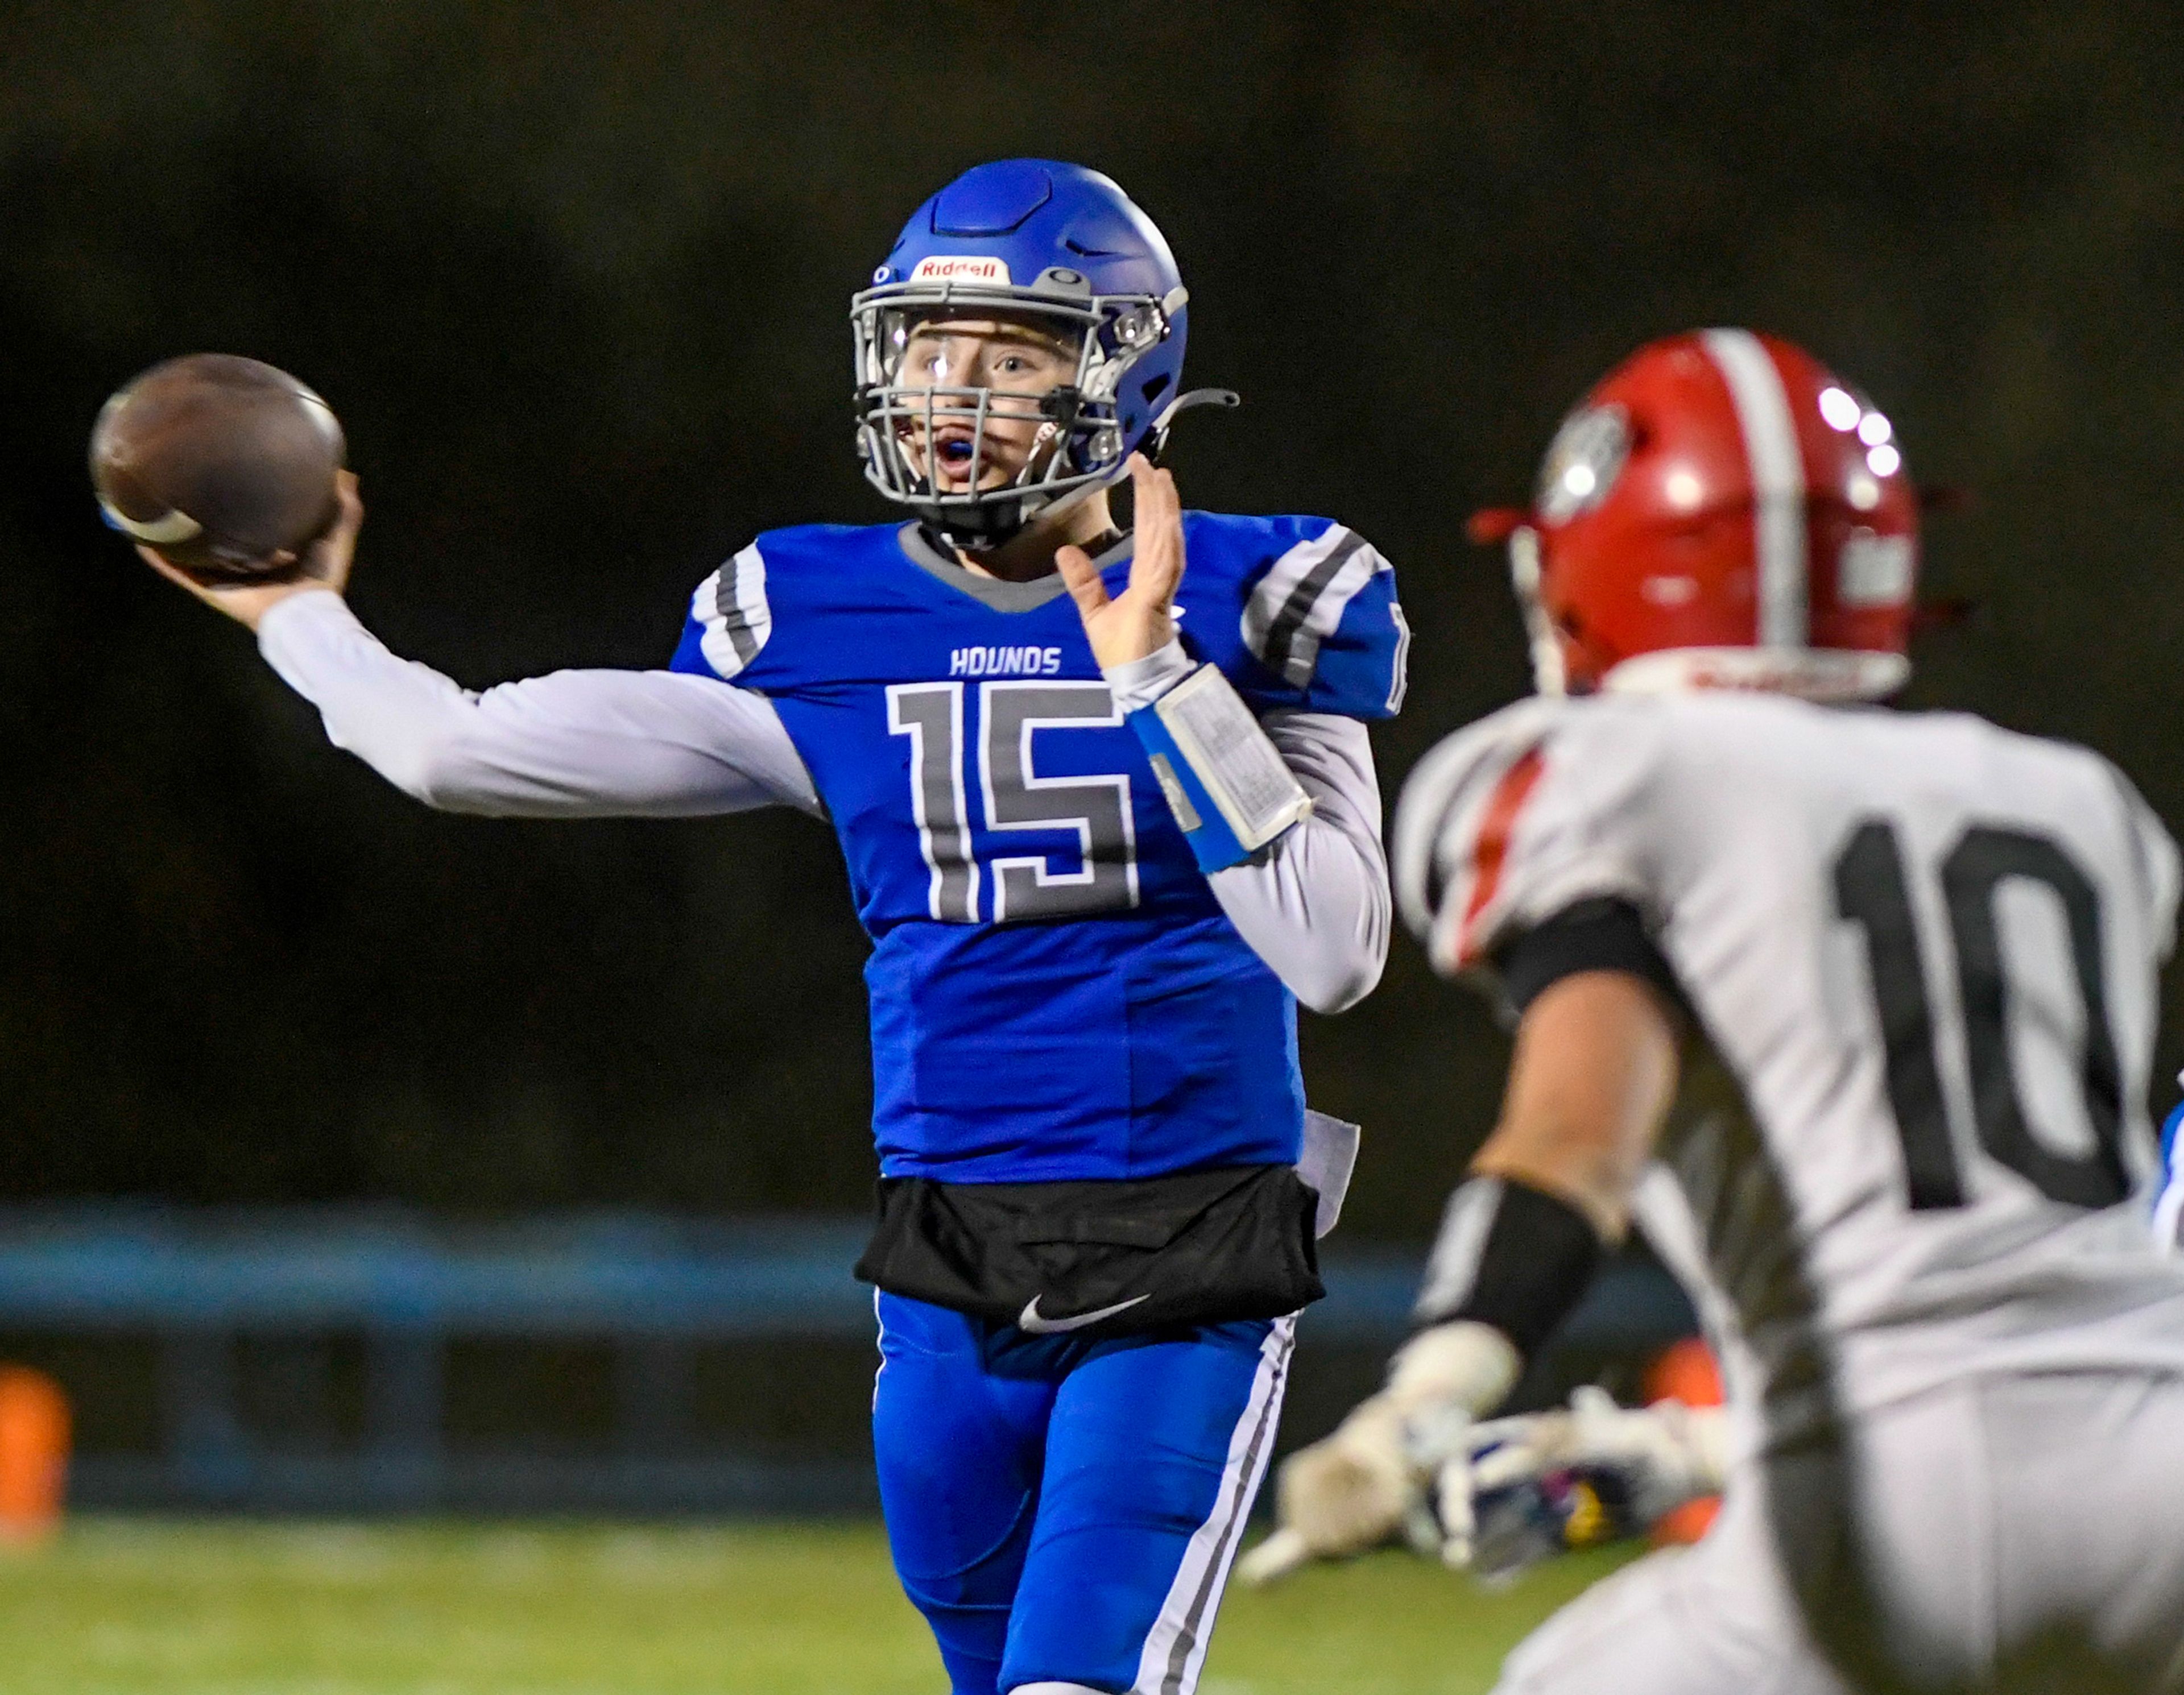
(1370, 1479)
(1140, 621)
(327, 566)
(1345, 1494)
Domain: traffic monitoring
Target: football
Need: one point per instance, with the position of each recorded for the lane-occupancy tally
(225, 465)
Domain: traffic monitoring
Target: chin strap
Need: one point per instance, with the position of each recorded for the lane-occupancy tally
(1156, 442)
(994, 531)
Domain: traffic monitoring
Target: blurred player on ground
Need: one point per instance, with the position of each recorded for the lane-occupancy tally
(1101, 847)
(1903, 967)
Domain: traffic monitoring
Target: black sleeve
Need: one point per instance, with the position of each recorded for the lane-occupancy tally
(1599, 935)
(1510, 1256)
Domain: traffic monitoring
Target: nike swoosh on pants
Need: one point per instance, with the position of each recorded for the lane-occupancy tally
(1029, 1318)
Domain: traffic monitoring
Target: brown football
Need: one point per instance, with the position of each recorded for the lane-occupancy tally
(224, 466)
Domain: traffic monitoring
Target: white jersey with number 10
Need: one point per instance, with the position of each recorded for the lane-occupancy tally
(1924, 950)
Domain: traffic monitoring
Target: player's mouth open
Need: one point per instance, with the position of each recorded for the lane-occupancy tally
(954, 452)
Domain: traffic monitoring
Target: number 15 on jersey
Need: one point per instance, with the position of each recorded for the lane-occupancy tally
(1014, 797)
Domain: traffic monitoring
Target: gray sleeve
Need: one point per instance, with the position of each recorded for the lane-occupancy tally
(1316, 908)
(573, 744)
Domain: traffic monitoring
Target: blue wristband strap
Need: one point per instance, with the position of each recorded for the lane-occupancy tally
(1228, 786)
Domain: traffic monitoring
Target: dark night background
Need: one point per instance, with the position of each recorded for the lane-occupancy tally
(577, 278)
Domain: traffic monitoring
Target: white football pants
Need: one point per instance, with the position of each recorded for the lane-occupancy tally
(2020, 1535)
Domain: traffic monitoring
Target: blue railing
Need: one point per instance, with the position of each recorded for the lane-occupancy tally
(652, 1289)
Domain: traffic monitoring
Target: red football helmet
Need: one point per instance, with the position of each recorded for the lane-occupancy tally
(1721, 510)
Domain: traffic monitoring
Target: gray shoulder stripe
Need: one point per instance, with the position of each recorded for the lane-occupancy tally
(735, 623)
(1281, 633)
(734, 614)
(1302, 597)
(1271, 592)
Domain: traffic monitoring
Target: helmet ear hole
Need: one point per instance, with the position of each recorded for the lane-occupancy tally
(1155, 388)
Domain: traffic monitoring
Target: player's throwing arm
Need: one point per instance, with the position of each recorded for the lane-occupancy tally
(1108, 806)
(573, 744)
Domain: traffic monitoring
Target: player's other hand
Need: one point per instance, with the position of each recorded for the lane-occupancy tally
(1656, 1457)
(1347, 1492)
(1140, 621)
(1371, 1478)
(327, 566)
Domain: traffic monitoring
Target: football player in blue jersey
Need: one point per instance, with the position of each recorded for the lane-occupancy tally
(1109, 811)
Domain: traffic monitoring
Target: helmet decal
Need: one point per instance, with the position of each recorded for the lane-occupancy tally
(961, 268)
(1583, 462)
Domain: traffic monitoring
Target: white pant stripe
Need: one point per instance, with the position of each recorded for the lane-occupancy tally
(1175, 1649)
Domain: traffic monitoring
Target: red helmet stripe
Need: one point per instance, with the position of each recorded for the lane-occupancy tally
(1778, 482)
(1495, 826)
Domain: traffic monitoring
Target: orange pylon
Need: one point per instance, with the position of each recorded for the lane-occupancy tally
(34, 1454)
(1686, 1371)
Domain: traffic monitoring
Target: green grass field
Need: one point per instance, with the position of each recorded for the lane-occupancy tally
(120, 1606)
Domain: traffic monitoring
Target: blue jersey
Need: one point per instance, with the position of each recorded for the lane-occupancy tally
(1055, 993)
(2169, 1196)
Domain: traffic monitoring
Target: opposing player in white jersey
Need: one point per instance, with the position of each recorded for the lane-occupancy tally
(1853, 1010)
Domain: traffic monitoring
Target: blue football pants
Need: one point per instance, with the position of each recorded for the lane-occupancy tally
(1064, 1510)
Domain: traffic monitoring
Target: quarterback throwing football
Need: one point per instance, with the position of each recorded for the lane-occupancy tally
(1903, 967)
(1102, 848)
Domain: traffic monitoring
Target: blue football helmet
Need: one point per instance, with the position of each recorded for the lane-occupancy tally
(1065, 249)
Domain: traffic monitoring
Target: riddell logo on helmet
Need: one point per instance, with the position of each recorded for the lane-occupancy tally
(960, 267)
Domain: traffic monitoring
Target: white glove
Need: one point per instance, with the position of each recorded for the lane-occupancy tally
(1639, 1464)
(1346, 1493)
(1356, 1488)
